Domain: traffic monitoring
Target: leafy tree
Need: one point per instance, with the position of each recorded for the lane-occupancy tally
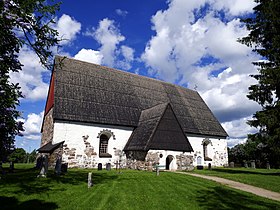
(22, 23)
(32, 156)
(18, 156)
(264, 38)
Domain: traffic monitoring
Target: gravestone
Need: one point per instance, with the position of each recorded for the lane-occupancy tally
(64, 167)
(267, 165)
(231, 164)
(44, 167)
(253, 164)
(157, 169)
(199, 163)
(209, 166)
(245, 164)
(99, 166)
(90, 180)
(58, 166)
(108, 166)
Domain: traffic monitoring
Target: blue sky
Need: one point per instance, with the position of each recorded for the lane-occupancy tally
(191, 43)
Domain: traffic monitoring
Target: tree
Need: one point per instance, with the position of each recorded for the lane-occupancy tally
(17, 156)
(22, 23)
(264, 38)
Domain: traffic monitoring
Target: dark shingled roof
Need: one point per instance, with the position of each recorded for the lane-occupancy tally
(158, 128)
(92, 93)
(49, 147)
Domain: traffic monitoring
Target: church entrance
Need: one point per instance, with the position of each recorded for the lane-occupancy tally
(169, 159)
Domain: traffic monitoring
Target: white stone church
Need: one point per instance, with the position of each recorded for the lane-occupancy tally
(95, 115)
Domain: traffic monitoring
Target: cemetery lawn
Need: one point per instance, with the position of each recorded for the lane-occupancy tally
(129, 189)
(267, 179)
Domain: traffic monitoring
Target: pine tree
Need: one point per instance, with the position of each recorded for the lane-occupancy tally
(264, 38)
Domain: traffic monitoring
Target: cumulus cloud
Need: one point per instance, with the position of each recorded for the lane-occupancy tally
(202, 51)
(30, 78)
(68, 28)
(111, 52)
(235, 7)
(89, 55)
(32, 126)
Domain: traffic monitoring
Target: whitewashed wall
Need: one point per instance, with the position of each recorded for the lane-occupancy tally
(217, 151)
(72, 134)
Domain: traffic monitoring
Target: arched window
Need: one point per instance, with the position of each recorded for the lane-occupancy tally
(205, 144)
(103, 147)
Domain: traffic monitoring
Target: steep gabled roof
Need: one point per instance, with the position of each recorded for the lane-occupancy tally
(96, 94)
(49, 147)
(158, 129)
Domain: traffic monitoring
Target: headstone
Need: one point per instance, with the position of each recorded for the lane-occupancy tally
(89, 180)
(58, 166)
(267, 165)
(157, 169)
(253, 164)
(99, 166)
(64, 167)
(209, 166)
(108, 166)
(200, 167)
(44, 167)
(245, 164)
(231, 164)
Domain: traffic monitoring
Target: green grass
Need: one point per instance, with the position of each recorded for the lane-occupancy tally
(128, 190)
(267, 179)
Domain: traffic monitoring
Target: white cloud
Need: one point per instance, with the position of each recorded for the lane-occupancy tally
(239, 128)
(68, 28)
(231, 142)
(235, 7)
(30, 78)
(32, 126)
(109, 37)
(120, 12)
(202, 51)
(89, 56)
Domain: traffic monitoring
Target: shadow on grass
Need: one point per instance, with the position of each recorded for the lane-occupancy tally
(219, 198)
(13, 203)
(230, 171)
(28, 182)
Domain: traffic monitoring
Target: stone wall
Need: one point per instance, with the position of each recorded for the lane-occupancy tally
(184, 162)
(151, 159)
(47, 129)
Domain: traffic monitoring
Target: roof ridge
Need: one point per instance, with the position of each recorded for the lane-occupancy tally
(124, 72)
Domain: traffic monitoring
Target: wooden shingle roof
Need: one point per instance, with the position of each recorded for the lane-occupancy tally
(158, 129)
(92, 93)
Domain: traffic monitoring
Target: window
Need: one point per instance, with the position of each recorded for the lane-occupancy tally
(103, 148)
(205, 144)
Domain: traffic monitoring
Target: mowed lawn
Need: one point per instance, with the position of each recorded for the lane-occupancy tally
(267, 179)
(128, 190)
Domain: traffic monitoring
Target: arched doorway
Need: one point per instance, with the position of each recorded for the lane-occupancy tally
(169, 159)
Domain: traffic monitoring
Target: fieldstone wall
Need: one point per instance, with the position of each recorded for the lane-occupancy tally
(151, 159)
(82, 161)
(47, 129)
(184, 162)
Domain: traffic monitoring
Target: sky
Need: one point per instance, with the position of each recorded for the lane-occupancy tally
(191, 43)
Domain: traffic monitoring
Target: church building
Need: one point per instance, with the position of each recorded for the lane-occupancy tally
(97, 116)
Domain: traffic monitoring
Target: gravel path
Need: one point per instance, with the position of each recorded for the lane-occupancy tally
(240, 186)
